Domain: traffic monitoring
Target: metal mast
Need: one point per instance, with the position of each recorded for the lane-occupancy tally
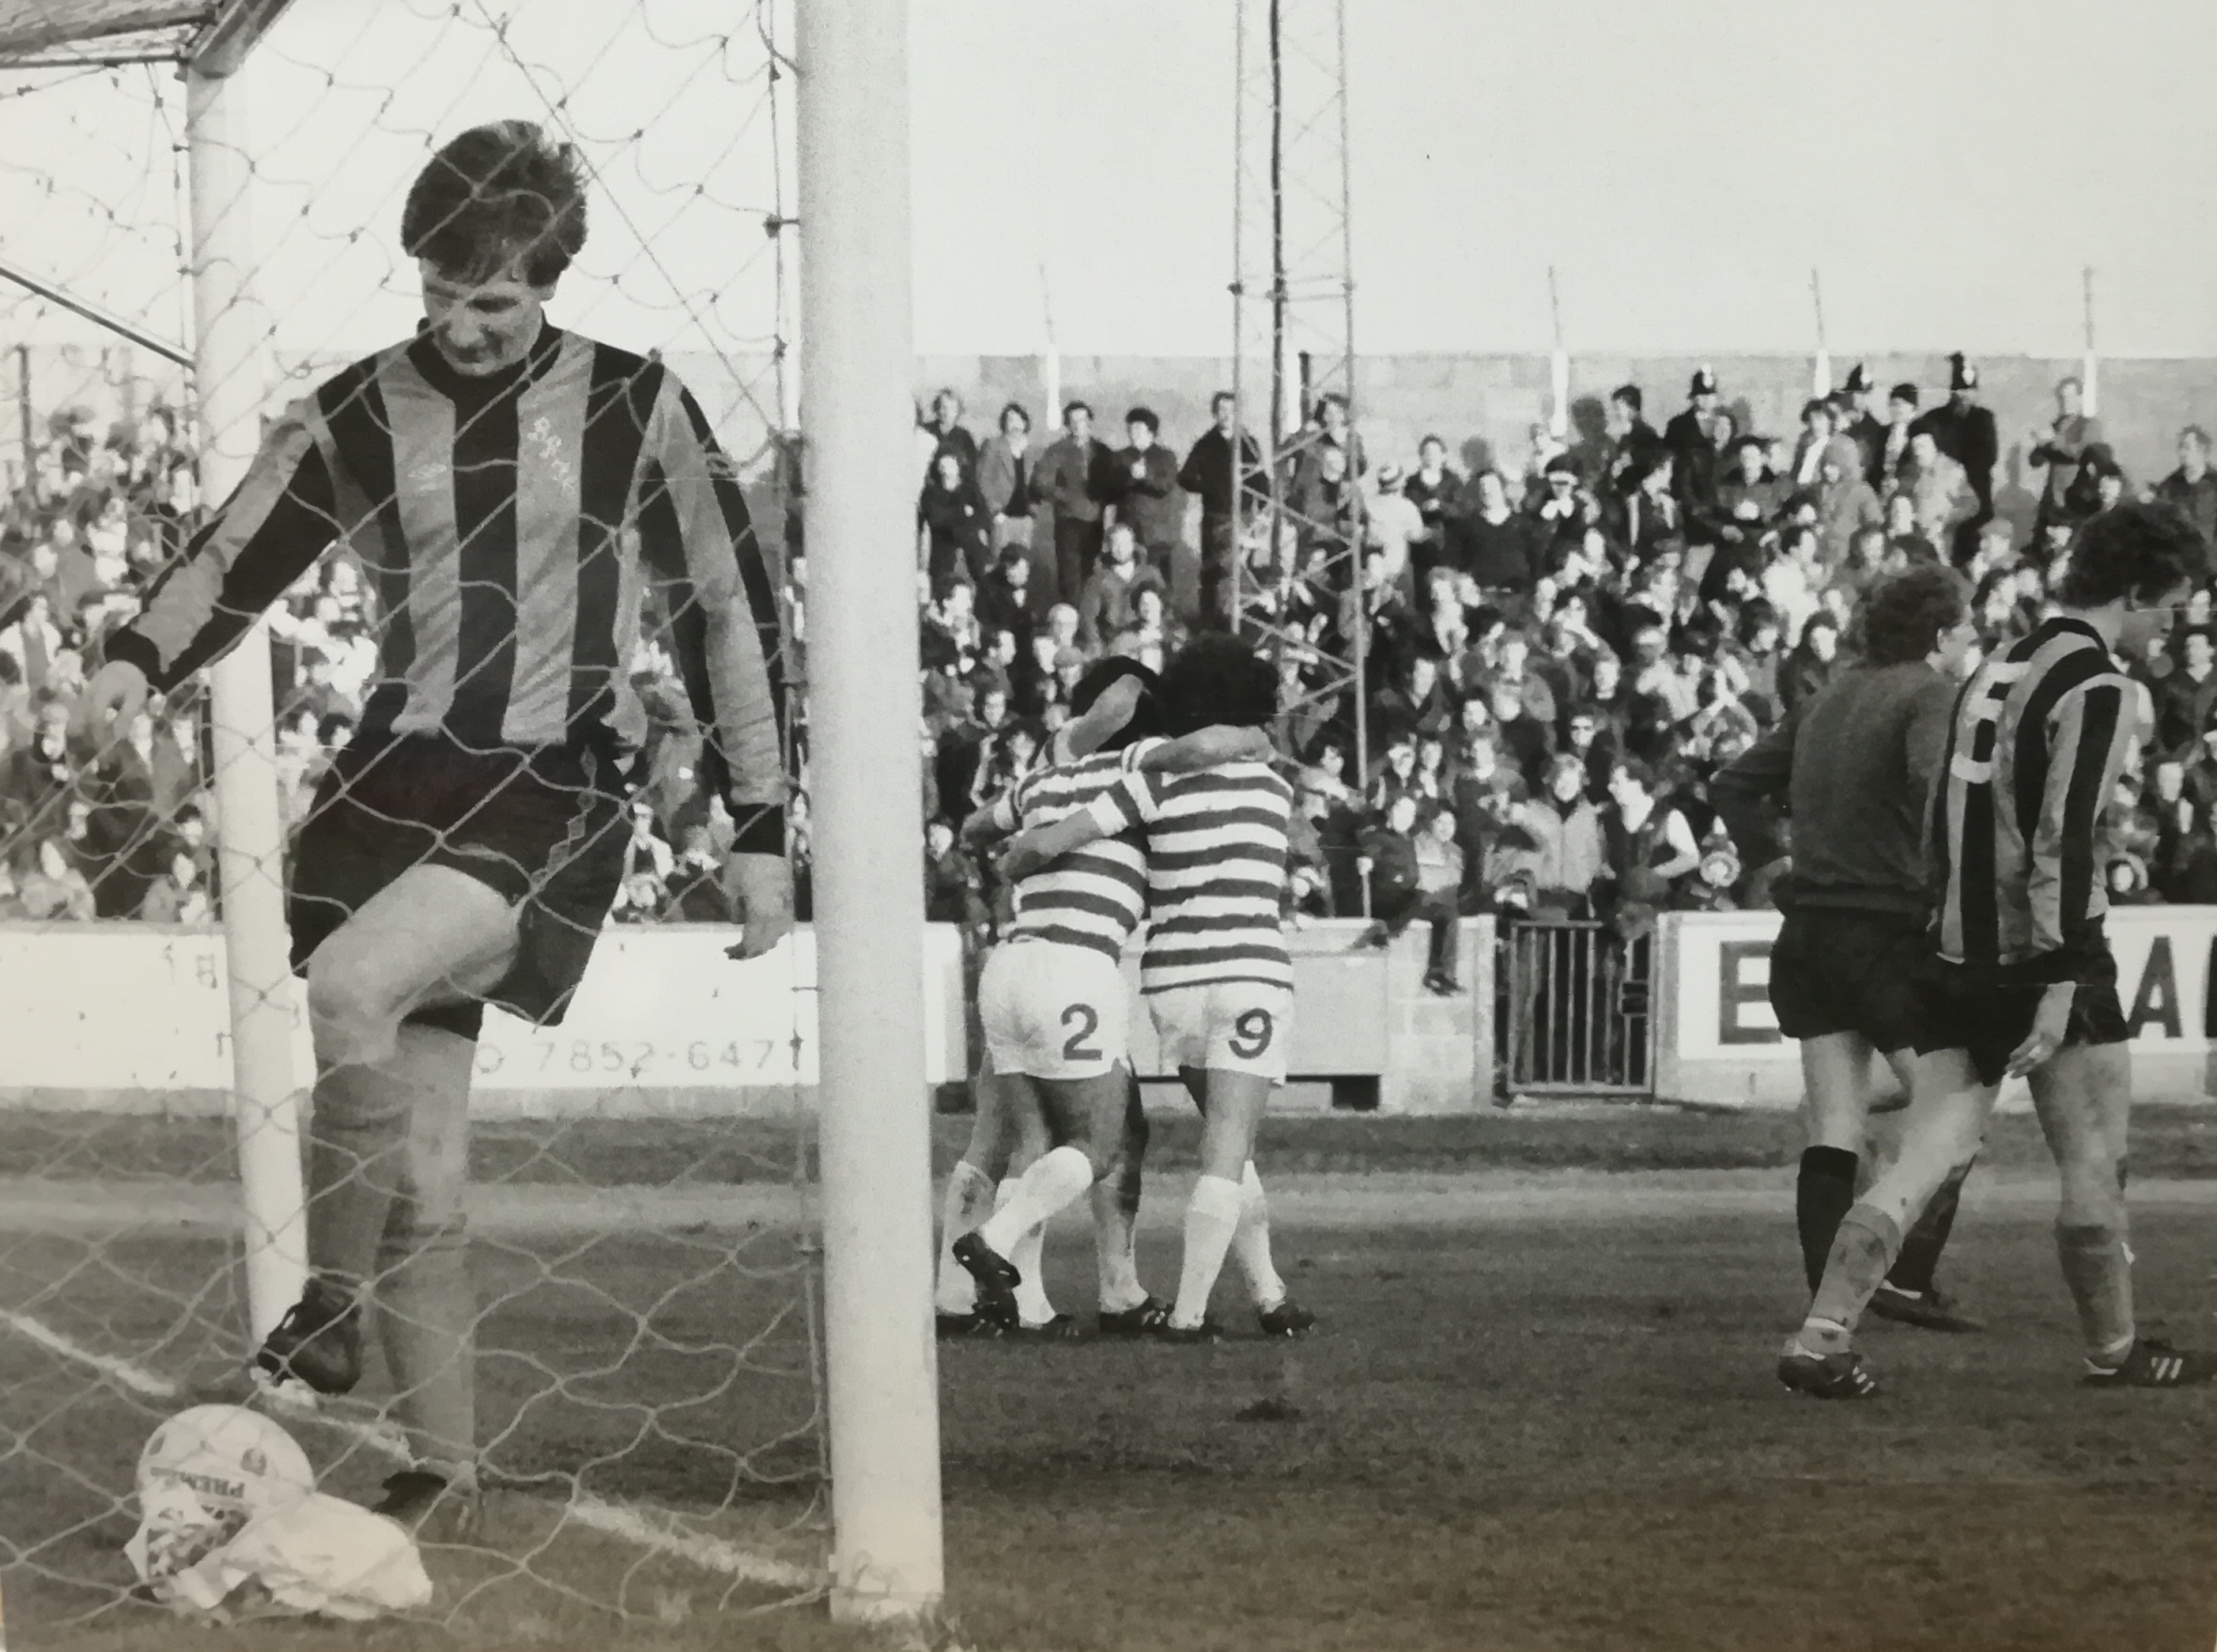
(1292, 305)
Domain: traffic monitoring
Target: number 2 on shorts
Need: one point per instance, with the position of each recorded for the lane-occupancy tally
(1087, 1019)
(1250, 1034)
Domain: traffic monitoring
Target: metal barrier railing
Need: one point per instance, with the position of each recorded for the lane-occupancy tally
(1575, 1009)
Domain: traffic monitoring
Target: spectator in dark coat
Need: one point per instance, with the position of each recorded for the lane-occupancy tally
(1074, 477)
(1146, 490)
(946, 423)
(952, 523)
(1891, 460)
(1006, 601)
(1494, 546)
(1633, 446)
(2193, 487)
(1750, 497)
(1693, 453)
(2185, 698)
(1207, 473)
(1965, 432)
(1813, 661)
(951, 887)
(1861, 426)
(1436, 489)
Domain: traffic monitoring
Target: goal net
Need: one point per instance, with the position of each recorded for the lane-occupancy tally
(639, 1287)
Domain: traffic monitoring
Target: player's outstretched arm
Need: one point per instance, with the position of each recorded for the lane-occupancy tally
(1206, 748)
(1102, 721)
(990, 822)
(276, 524)
(1042, 846)
(1748, 791)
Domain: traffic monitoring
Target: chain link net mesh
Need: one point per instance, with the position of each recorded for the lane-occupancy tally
(646, 1416)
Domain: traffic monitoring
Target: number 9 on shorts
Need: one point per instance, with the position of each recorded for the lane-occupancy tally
(1238, 1027)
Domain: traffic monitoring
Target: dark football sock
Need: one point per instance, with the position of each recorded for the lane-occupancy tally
(1922, 1245)
(1823, 1193)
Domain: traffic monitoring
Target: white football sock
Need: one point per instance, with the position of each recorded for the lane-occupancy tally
(963, 1208)
(1032, 1307)
(1116, 1236)
(1055, 1180)
(1017, 1230)
(1211, 1218)
(1250, 1242)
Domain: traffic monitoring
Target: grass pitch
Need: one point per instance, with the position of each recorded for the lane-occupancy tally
(1538, 1414)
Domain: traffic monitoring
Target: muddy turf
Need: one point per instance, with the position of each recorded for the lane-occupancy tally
(1538, 1412)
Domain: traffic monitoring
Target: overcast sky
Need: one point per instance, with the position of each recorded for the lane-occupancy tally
(1949, 167)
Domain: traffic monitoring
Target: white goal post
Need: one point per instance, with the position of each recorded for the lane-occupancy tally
(850, 69)
(865, 705)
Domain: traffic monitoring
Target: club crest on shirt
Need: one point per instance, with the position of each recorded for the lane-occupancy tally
(559, 470)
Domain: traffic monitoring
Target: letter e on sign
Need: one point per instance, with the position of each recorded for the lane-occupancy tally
(1744, 993)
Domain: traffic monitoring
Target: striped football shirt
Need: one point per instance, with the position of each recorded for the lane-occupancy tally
(1216, 871)
(1093, 897)
(511, 526)
(2041, 734)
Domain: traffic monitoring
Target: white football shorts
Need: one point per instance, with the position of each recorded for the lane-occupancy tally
(1237, 1027)
(1053, 1011)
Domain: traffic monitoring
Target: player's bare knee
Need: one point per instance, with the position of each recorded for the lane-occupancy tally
(351, 1018)
(2092, 1195)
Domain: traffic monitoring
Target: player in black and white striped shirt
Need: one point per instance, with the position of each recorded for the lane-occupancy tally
(516, 492)
(2024, 982)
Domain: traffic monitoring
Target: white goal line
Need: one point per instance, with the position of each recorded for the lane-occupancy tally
(632, 1525)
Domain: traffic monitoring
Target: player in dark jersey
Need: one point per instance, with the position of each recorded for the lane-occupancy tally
(1054, 1005)
(2024, 982)
(1855, 765)
(516, 492)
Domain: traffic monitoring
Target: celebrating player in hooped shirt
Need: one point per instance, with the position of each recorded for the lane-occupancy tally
(1215, 972)
(1053, 1004)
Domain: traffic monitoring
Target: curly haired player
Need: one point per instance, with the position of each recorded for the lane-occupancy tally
(2024, 982)
(1053, 1002)
(1215, 973)
(517, 492)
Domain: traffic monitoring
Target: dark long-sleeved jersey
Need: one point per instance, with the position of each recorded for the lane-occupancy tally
(511, 526)
(2039, 736)
(1856, 762)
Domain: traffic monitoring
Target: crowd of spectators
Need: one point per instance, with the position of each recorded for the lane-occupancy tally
(1555, 652)
(122, 832)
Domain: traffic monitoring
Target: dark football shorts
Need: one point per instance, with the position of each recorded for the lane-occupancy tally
(1840, 969)
(546, 829)
(1972, 1013)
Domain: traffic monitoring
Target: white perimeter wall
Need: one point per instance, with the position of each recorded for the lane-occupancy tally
(1720, 1041)
(134, 1018)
